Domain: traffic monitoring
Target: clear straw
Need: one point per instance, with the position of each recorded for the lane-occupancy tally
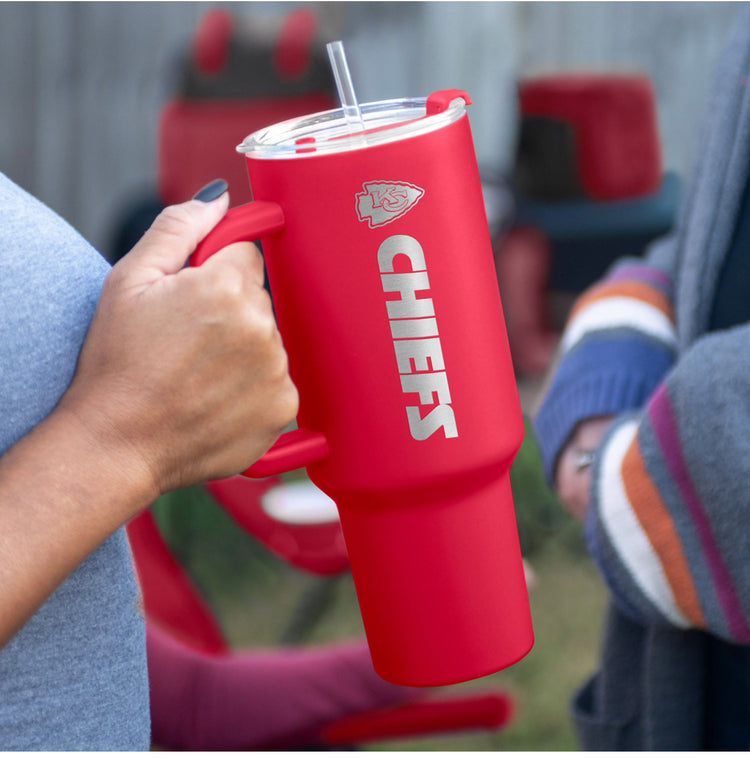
(349, 104)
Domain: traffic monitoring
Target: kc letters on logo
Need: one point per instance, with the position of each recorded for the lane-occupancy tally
(419, 356)
(379, 203)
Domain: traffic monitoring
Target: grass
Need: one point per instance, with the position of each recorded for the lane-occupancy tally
(260, 602)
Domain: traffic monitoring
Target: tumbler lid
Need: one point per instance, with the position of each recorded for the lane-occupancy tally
(329, 131)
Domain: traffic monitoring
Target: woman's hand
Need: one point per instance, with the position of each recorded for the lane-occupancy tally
(184, 367)
(573, 472)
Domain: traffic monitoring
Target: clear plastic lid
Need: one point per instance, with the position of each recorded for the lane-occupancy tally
(330, 132)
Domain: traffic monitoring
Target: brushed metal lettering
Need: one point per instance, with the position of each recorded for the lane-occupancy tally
(409, 305)
(412, 328)
(419, 355)
(400, 244)
(427, 384)
(420, 352)
(441, 416)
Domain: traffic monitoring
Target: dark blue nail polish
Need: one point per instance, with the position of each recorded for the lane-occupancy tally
(211, 191)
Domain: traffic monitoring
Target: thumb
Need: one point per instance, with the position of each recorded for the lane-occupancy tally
(176, 232)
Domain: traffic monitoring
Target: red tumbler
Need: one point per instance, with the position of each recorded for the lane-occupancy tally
(381, 272)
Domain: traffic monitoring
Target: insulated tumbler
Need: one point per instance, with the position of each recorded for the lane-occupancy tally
(379, 261)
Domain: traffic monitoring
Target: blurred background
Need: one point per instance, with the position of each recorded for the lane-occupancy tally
(100, 102)
(83, 84)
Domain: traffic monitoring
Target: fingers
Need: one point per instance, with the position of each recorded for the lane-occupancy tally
(242, 257)
(589, 433)
(573, 471)
(177, 230)
(573, 484)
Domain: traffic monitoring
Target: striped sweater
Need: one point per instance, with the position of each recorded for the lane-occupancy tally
(669, 519)
(666, 533)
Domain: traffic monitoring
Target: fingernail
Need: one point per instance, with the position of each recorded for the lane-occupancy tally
(211, 191)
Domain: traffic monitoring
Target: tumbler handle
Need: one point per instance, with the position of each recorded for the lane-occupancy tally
(247, 223)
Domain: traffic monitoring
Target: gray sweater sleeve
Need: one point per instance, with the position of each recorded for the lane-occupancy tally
(670, 506)
(667, 523)
(670, 501)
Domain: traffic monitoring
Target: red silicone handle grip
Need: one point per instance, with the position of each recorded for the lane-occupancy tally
(292, 450)
(246, 223)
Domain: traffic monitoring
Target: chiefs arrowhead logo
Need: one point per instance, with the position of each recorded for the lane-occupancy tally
(382, 202)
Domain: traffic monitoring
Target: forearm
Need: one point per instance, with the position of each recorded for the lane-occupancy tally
(63, 490)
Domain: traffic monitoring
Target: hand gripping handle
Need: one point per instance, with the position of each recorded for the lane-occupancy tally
(247, 223)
